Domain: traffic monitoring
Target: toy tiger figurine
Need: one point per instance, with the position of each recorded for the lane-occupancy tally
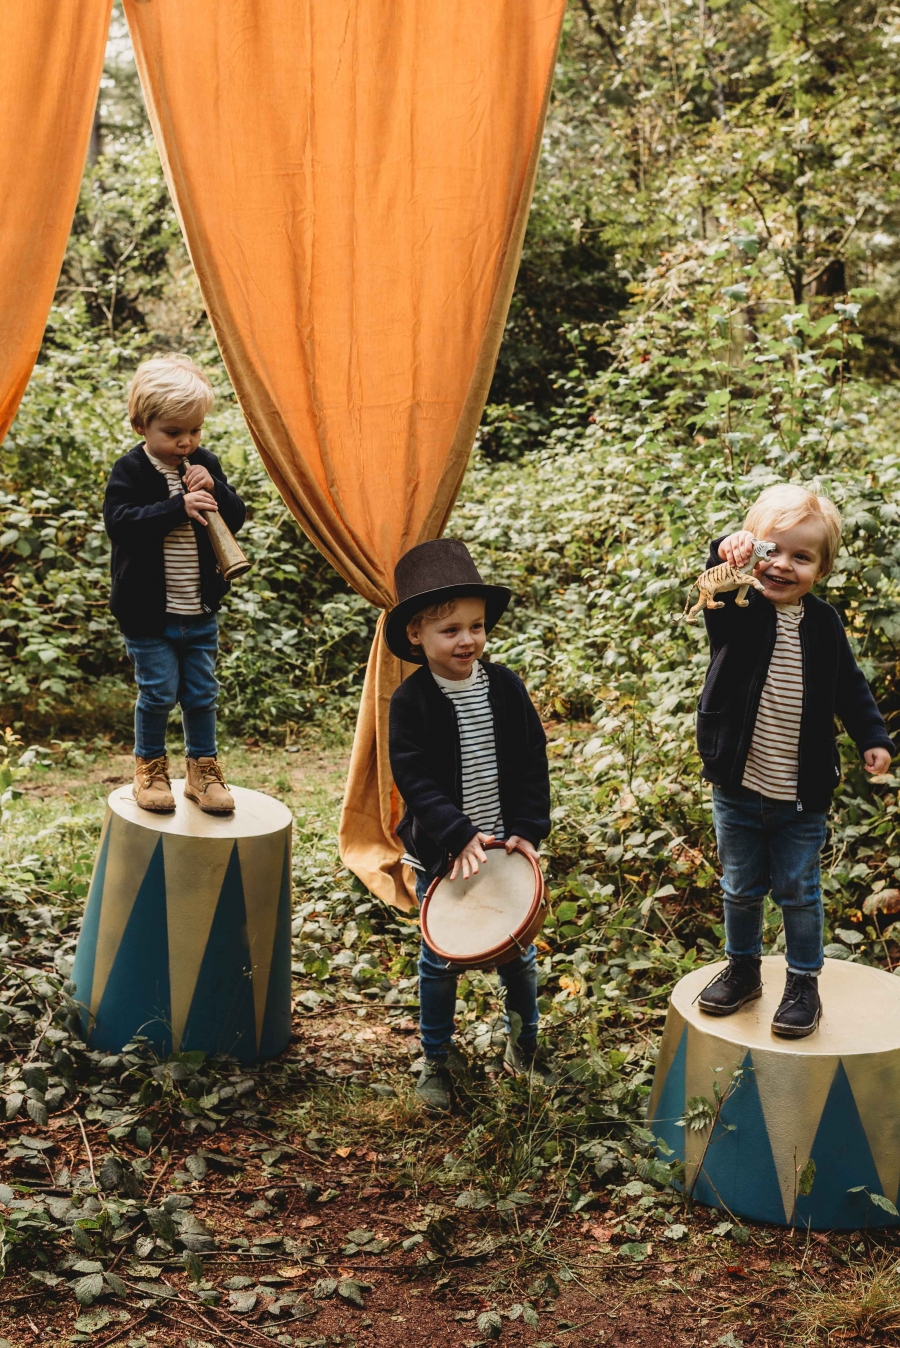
(720, 579)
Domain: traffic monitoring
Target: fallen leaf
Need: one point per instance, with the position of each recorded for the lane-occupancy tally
(305, 1223)
(602, 1233)
(348, 1289)
(887, 901)
(490, 1324)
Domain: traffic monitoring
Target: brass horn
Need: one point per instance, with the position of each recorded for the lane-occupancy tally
(231, 559)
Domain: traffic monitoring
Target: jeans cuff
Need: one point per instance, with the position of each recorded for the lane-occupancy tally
(805, 973)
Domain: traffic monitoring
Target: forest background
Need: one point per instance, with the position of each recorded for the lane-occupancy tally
(708, 302)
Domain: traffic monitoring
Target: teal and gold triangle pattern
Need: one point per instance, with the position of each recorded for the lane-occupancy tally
(786, 1109)
(186, 940)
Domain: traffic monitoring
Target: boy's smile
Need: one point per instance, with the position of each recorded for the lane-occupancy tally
(452, 644)
(795, 566)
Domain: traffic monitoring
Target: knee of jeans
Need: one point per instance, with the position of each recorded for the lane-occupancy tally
(195, 702)
(156, 697)
(801, 896)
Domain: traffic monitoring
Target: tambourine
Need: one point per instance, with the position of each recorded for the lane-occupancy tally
(490, 918)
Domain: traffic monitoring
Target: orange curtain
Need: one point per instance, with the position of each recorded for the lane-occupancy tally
(353, 179)
(51, 57)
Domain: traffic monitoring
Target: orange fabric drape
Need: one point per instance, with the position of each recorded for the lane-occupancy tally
(51, 57)
(353, 179)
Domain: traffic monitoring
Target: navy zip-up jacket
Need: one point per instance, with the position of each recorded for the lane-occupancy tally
(138, 513)
(741, 642)
(427, 766)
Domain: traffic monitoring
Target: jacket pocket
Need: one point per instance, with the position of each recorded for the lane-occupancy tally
(708, 732)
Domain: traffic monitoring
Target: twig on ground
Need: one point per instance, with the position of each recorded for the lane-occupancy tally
(87, 1147)
(158, 1178)
(210, 1329)
(128, 1328)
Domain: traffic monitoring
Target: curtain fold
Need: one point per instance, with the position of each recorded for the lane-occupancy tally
(353, 179)
(51, 59)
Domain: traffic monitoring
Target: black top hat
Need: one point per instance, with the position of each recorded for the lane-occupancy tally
(430, 574)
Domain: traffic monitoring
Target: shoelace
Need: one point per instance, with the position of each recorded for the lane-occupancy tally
(797, 989)
(156, 770)
(211, 772)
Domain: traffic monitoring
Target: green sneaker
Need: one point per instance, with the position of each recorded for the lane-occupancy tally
(435, 1087)
(519, 1063)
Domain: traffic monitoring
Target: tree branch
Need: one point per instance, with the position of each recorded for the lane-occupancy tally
(594, 21)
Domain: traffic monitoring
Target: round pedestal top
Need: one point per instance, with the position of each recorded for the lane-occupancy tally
(860, 1010)
(254, 814)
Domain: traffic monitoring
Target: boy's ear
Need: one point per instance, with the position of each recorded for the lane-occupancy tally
(412, 636)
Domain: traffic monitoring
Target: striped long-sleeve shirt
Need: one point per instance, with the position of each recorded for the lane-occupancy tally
(179, 554)
(478, 751)
(771, 767)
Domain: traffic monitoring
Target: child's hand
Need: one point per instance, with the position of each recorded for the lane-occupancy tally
(737, 548)
(197, 478)
(877, 761)
(470, 856)
(195, 502)
(526, 846)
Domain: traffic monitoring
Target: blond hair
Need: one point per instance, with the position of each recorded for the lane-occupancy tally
(168, 386)
(786, 504)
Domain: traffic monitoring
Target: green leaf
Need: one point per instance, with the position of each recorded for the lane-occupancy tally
(884, 1203)
(348, 1289)
(490, 1324)
(636, 1251)
(88, 1289)
(806, 1177)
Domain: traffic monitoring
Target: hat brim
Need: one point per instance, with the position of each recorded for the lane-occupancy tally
(496, 600)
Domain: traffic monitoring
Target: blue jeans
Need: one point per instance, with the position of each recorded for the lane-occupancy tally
(178, 667)
(437, 995)
(765, 845)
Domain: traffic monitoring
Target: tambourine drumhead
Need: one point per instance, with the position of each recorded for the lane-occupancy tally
(478, 920)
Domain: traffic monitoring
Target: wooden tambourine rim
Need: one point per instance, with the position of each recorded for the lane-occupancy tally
(488, 957)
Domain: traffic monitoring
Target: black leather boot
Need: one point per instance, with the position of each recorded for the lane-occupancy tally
(800, 1009)
(733, 987)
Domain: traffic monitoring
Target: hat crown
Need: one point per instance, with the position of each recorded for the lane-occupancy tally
(436, 565)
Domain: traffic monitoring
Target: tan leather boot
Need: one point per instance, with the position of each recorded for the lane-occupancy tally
(151, 788)
(206, 786)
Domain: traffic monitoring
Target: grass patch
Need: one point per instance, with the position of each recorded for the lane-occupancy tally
(866, 1307)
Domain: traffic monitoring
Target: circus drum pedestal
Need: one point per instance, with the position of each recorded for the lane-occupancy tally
(833, 1098)
(186, 937)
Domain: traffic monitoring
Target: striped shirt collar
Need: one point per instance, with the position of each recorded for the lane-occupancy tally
(458, 685)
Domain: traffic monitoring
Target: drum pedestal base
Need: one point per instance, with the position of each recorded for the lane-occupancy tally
(186, 937)
(831, 1098)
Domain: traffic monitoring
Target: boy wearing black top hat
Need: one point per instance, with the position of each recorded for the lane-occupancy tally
(468, 755)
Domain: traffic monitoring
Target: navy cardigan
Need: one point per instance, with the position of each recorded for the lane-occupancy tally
(138, 513)
(741, 643)
(427, 767)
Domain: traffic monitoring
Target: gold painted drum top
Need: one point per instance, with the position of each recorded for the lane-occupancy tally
(490, 918)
